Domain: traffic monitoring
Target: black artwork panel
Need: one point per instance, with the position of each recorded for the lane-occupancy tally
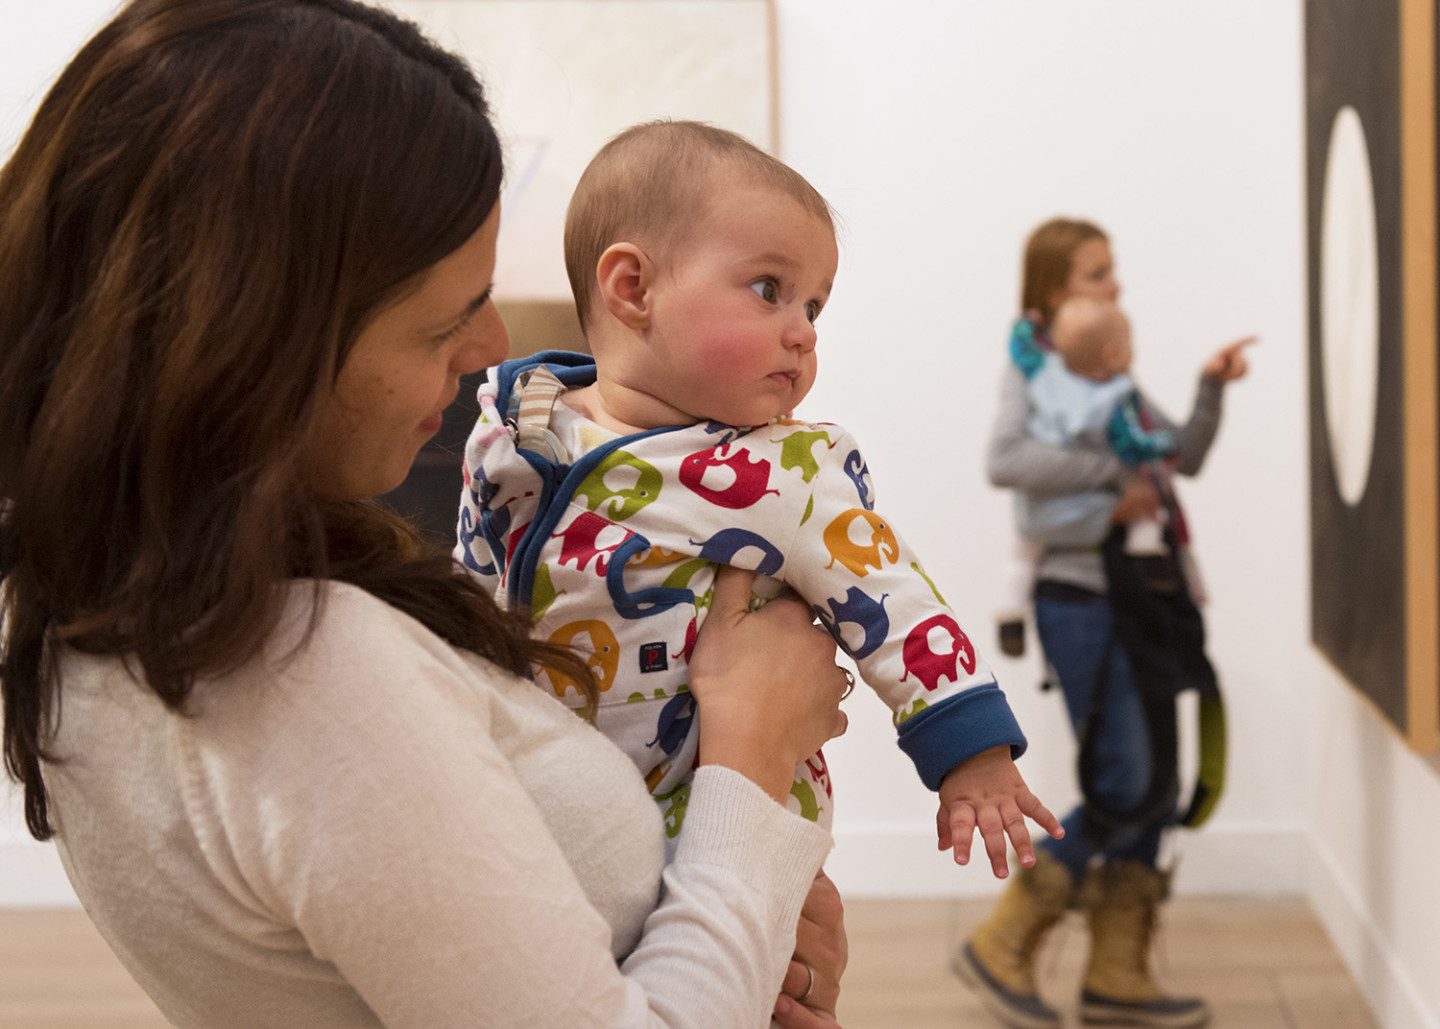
(1352, 57)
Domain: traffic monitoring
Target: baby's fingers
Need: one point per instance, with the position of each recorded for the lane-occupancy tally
(992, 831)
(1040, 814)
(1019, 835)
(942, 828)
(962, 831)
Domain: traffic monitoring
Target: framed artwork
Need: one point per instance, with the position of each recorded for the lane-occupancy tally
(562, 77)
(1371, 86)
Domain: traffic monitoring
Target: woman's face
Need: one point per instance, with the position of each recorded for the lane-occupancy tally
(404, 371)
(1092, 273)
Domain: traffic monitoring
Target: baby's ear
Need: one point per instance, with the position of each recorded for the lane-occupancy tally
(626, 276)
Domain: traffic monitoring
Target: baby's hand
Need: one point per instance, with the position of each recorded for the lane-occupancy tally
(987, 792)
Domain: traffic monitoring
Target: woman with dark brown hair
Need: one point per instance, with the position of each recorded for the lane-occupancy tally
(288, 753)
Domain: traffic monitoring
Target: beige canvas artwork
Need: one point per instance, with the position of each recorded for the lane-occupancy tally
(566, 75)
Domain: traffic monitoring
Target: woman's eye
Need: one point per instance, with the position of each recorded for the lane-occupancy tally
(766, 290)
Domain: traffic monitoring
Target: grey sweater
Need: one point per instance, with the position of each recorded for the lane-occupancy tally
(1020, 462)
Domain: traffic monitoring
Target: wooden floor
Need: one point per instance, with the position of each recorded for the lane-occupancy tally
(1261, 964)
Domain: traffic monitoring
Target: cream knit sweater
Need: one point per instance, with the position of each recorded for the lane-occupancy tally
(375, 829)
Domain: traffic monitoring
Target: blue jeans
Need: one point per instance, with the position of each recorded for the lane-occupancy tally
(1077, 639)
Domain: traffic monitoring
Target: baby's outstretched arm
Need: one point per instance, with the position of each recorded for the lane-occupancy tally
(987, 792)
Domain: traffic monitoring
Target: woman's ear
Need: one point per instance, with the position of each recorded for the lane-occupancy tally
(626, 277)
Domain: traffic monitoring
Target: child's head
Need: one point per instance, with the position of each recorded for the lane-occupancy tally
(1066, 257)
(699, 263)
(1092, 337)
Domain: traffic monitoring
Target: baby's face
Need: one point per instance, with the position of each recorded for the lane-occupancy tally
(1117, 353)
(733, 323)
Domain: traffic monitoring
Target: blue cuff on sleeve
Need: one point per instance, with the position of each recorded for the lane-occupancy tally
(940, 737)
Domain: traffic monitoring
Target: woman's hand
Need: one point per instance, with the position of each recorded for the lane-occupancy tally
(1136, 503)
(767, 685)
(1229, 362)
(821, 953)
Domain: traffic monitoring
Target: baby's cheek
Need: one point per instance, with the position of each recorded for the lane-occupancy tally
(732, 355)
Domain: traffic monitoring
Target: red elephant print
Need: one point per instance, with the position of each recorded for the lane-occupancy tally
(751, 477)
(580, 541)
(930, 667)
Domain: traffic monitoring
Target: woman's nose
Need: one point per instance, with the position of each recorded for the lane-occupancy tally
(489, 345)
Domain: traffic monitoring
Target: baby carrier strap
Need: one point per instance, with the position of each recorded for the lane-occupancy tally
(1163, 634)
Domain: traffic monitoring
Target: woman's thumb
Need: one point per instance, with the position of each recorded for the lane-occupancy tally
(732, 592)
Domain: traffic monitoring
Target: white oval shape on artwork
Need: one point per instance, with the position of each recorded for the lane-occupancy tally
(1349, 305)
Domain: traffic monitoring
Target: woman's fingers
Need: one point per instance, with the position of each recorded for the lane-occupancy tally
(732, 592)
(766, 682)
(1229, 362)
(798, 982)
(793, 1015)
(821, 949)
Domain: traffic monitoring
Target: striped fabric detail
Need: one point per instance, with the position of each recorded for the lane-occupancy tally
(538, 394)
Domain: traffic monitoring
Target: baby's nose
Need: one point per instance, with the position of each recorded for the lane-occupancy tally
(800, 334)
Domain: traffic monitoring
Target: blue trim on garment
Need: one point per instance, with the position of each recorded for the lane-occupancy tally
(954, 730)
(641, 603)
(557, 482)
(570, 368)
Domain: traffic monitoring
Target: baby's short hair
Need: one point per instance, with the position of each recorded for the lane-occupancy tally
(650, 182)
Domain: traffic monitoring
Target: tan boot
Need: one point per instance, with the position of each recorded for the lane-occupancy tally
(998, 961)
(1122, 898)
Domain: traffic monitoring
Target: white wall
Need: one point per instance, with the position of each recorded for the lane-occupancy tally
(943, 134)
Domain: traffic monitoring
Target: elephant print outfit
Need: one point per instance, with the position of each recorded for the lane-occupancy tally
(612, 543)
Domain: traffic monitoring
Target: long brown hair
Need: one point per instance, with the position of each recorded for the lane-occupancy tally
(1048, 254)
(211, 203)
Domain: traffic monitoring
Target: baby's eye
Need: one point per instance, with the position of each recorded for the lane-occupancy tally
(767, 290)
(812, 310)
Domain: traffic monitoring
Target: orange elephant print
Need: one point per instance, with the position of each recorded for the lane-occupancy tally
(604, 657)
(882, 549)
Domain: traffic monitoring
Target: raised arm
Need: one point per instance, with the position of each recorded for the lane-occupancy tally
(1194, 437)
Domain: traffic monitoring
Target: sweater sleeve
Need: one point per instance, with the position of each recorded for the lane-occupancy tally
(369, 805)
(867, 586)
(1193, 439)
(1019, 461)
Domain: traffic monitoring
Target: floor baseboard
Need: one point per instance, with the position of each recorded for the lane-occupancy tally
(1237, 860)
(1378, 971)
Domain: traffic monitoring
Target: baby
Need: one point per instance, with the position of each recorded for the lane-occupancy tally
(602, 495)
(1080, 395)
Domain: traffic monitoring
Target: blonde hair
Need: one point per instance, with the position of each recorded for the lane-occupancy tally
(1048, 256)
(649, 184)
